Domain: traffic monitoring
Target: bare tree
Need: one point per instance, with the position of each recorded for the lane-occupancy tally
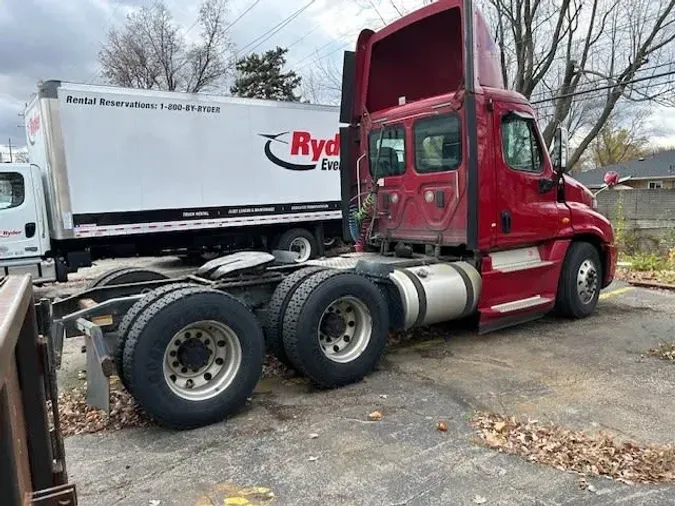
(151, 52)
(322, 83)
(563, 50)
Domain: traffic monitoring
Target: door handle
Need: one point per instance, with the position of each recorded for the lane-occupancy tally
(30, 230)
(506, 222)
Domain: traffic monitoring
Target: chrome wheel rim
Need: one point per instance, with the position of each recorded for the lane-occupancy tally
(587, 281)
(302, 247)
(345, 329)
(202, 360)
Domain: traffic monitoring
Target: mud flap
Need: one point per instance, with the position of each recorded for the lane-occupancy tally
(100, 365)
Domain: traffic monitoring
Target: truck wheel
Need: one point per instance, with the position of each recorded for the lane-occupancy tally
(124, 275)
(300, 241)
(193, 357)
(276, 308)
(132, 315)
(335, 327)
(580, 280)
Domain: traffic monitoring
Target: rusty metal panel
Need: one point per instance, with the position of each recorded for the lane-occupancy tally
(15, 298)
(15, 482)
(32, 467)
(63, 495)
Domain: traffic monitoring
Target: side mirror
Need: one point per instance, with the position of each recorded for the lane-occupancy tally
(560, 151)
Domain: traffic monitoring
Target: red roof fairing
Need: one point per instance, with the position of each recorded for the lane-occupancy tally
(421, 55)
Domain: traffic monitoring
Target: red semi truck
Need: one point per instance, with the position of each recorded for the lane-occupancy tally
(457, 209)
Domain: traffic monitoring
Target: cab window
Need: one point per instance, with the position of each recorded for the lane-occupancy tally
(438, 144)
(387, 152)
(11, 190)
(520, 143)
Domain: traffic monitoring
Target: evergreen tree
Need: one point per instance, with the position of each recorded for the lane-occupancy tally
(262, 76)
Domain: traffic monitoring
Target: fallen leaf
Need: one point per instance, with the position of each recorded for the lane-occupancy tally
(568, 450)
(479, 499)
(442, 426)
(236, 501)
(376, 416)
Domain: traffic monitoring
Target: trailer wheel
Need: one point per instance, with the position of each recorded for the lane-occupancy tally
(300, 241)
(123, 275)
(335, 327)
(276, 308)
(193, 357)
(132, 315)
(580, 280)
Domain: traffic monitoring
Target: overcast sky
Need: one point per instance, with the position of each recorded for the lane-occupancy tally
(60, 39)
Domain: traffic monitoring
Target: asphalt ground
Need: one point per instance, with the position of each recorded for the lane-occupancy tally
(294, 445)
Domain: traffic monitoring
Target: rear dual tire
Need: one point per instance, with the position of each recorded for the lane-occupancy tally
(192, 356)
(335, 328)
(274, 319)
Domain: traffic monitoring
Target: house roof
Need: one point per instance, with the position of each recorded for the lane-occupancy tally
(661, 165)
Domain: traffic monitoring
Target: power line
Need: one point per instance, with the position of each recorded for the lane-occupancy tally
(339, 48)
(246, 11)
(111, 15)
(602, 88)
(609, 78)
(258, 41)
(314, 53)
(303, 37)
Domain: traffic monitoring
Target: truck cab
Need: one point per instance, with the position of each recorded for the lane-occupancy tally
(440, 157)
(24, 232)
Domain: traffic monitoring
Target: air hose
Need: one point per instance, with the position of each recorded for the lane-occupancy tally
(359, 221)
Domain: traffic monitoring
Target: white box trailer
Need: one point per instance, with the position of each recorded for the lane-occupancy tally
(127, 171)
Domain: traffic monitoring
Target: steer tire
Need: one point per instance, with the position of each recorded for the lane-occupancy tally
(568, 300)
(132, 315)
(287, 238)
(126, 275)
(274, 319)
(153, 332)
(303, 317)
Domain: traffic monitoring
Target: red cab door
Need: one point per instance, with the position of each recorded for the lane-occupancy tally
(526, 204)
(422, 200)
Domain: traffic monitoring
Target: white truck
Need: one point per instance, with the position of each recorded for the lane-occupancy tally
(121, 172)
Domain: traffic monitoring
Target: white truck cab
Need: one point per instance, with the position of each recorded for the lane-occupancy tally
(24, 232)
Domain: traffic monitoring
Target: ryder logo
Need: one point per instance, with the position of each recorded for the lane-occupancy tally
(33, 126)
(302, 152)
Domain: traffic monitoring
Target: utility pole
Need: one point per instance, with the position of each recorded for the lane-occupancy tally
(10, 151)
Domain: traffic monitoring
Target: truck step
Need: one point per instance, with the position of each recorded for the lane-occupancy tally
(523, 266)
(518, 305)
(518, 260)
